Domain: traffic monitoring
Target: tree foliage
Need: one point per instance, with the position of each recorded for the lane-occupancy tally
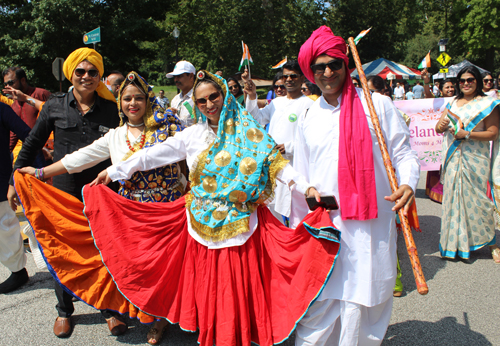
(136, 35)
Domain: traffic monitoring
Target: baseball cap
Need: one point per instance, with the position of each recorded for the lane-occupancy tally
(182, 67)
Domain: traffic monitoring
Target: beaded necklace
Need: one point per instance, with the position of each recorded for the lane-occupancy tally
(143, 139)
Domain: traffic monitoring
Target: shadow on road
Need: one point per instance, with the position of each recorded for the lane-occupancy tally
(427, 243)
(446, 331)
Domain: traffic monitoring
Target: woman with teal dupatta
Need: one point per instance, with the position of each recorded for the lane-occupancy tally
(468, 216)
(216, 260)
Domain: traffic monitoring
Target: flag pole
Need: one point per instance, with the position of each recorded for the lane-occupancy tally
(410, 243)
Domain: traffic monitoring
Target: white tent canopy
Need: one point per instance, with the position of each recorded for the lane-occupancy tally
(454, 69)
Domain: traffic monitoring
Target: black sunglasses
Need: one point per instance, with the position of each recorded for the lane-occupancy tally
(292, 76)
(212, 97)
(468, 80)
(488, 80)
(304, 89)
(10, 82)
(355, 84)
(80, 72)
(276, 87)
(234, 87)
(333, 65)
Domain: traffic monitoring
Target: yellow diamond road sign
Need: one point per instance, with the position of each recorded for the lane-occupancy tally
(443, 58)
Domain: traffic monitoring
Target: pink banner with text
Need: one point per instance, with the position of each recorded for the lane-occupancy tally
(424, 114)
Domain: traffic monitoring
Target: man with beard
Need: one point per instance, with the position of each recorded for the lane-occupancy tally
(281, 115)
(182, 104)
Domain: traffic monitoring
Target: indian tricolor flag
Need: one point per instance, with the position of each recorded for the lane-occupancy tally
(426, 62)
(361, 35)
(280, 64)
(454, 119)
(246, 59)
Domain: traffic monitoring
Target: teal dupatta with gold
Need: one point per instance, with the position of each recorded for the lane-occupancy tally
(234, 175)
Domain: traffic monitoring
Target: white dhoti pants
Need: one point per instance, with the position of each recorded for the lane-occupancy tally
(11, 242)
(337, 322)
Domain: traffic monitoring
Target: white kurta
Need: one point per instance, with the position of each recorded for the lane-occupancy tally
(365, 271)
(282, 115)
(185, 145)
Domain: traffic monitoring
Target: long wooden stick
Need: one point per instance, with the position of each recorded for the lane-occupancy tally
(410, 243)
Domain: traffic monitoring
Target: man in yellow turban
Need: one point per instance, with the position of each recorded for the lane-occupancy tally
(77, 118)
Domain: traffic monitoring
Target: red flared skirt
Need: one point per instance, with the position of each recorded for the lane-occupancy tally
(256, 292)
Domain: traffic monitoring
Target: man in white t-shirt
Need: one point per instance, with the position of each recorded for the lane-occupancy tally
(399, 92)
(281, 115)
(182, 104)
(163, 100)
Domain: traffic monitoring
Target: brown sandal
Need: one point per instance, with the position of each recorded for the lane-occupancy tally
(156, 333)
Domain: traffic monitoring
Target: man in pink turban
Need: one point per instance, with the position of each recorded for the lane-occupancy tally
(336, 150)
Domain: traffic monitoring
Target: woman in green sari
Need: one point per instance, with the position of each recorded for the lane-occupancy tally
(468, 217)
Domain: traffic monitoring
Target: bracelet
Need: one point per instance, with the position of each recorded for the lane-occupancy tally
(31, 102)
(39, 173)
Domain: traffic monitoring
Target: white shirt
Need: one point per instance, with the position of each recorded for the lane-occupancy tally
(185, 145)
(182, 112)
(281, 115)
(399, 92)
(365, 270)
(113, 145)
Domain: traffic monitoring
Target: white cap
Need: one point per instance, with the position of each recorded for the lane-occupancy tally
(182, 67)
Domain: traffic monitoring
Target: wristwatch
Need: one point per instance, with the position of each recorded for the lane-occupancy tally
(467, 136)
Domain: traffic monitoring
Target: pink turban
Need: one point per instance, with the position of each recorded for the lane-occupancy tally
(356, 173)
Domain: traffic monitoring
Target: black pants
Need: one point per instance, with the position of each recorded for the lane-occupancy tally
(65, 307)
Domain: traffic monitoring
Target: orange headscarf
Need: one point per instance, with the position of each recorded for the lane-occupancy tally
(95, 59)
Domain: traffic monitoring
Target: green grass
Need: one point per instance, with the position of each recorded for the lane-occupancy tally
(170, 90)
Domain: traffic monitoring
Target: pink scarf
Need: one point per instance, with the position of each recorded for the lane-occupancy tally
(356, 174)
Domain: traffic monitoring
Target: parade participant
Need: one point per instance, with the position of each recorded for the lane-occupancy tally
(11, 243)
(15, 78)
(215, 261)
(489, 85)
(311, 90)
(163, 100)
(115, 79)
(433, 186)
(468, 221)
(278, 88)
(235, 89)
(77, 119)
(182, 105)
(336, 149)
(281, 115)
(146, 124)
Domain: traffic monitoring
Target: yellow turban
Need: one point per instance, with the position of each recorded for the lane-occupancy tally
(95, 59)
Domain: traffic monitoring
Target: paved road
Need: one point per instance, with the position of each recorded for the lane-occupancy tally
(462, 307)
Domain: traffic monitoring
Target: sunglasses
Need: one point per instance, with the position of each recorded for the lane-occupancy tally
(468, 80)
(304, 89)
(10, 82)
(333, 65)
(233, 87)
(276, 87)
(488, 80)
(80, 72)
(212, 97)
(356, 84)
(292, 76)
